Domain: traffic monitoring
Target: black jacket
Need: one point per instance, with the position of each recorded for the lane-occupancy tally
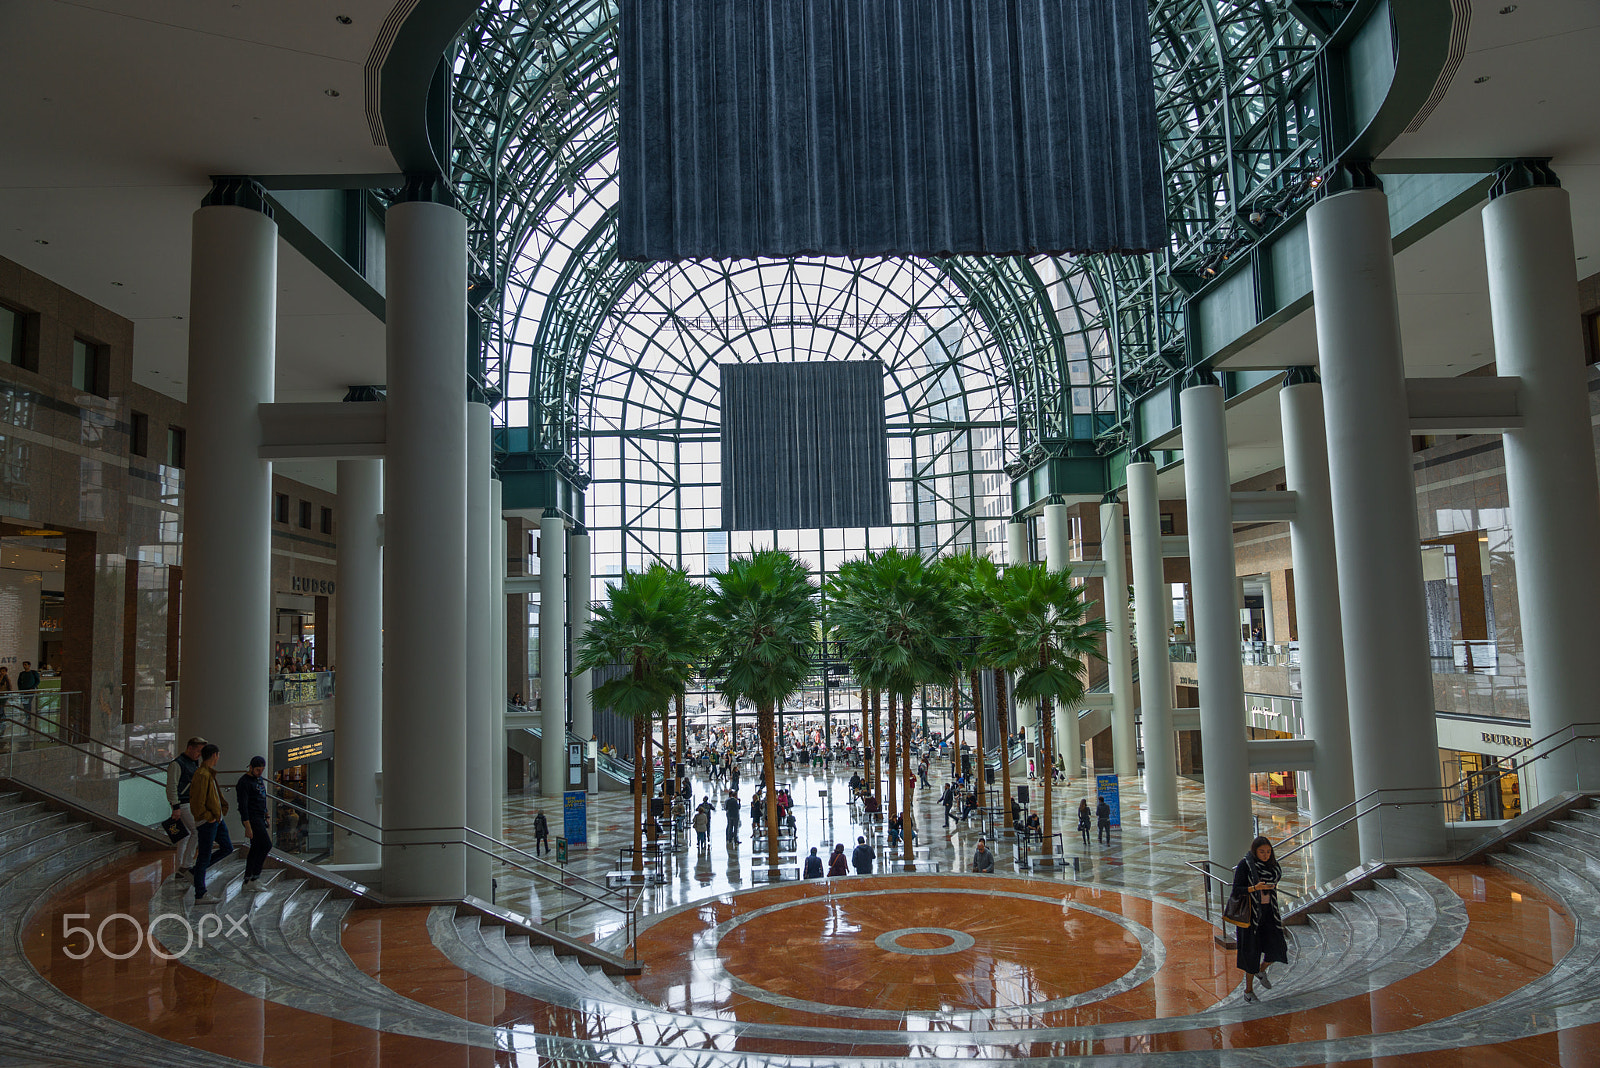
(862, 857)
(252, 791)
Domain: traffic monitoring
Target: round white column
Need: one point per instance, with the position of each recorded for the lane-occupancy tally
(1016, 543)
(1388, 676)
(579, 593)
(1209, 490)
(358, 648)
(553, 655)
(425, 552)
(1553, 491)
(1119, 654)
(227, 517)
(1058, 557)
(498, 638)
(1316, 604)
(1152, 604)
(482, 752)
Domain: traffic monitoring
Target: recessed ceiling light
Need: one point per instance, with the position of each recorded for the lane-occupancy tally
(1508, 9)
(1480, 79)
(330, 92)
(40, 241)
(116, 283)
(343, 20)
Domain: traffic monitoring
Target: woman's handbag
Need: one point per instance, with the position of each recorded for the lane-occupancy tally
(1237, 911)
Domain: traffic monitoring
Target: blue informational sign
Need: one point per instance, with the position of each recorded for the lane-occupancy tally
(575, 817)
(1106, 785)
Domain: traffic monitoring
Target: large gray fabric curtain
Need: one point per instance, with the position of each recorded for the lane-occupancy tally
(804, 446)
(776, 128)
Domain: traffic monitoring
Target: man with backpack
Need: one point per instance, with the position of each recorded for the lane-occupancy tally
(180, 774)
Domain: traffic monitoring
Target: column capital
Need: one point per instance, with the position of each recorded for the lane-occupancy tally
(427, 189)
(1200, 376)
(1519, 174)
(1348, 175)
(237, 191)
(1301, 376)
(1140, 456)
(1111, 496)
(359, 394)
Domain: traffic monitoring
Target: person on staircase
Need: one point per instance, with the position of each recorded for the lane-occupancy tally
(252, 793)
(180, 774)
(208, 808)
(1262, 943)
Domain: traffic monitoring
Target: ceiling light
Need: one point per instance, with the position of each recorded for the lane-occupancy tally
(116, 283)
(1480, 79)
(1508, 9)
(40, 241)
(330, 92)
(343, 20)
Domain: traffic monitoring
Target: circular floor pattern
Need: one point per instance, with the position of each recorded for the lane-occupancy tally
(983, 952)
(924, 941)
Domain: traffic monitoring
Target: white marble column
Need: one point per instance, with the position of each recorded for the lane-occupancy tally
(1153, 604)
(1016, 543)
(227, 516)
(1553, 492)
(1067, 741)
(1209, 492)
(358, 646)
(425, 552)
(1119, 652)
(1388, 673)
(552, 654)
(579, 593)
(1316, 604)
(497, 635)
(481, 752)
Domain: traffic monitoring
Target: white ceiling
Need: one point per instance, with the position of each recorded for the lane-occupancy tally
(127, 106)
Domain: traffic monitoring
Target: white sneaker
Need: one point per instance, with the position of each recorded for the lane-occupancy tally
(207, 898)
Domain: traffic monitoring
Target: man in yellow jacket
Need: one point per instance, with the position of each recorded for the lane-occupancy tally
(208, 806)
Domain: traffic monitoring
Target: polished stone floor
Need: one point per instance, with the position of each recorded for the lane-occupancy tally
(1108, 962)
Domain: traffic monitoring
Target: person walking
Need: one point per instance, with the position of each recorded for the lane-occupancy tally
(982, 859)
(731, 807)
(1262, 943)
(1102, 813)
(1084, 819)
(251, 789)
(541, 833)
(27, 682)
(208, 808)
(813, 866)
(180, 774)
(947, 799)
(702, 824)
(862, 856)
(837, 863)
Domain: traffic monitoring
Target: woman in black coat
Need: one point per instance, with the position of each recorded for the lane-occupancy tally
(1262, 943)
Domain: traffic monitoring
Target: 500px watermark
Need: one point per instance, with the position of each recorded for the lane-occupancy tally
(210, 925)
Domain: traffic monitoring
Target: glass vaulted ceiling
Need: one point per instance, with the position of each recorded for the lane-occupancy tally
(615, 363)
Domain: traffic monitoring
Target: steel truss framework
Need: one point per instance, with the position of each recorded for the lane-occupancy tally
(589, 349)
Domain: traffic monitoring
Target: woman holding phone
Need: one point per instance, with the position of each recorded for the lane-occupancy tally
(1262, 943)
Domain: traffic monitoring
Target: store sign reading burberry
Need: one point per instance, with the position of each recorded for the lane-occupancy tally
(310, 585)
(1506, 739)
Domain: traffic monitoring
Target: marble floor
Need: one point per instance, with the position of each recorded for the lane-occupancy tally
(1107, 962)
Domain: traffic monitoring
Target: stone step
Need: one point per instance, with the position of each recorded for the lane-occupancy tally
(19, 811)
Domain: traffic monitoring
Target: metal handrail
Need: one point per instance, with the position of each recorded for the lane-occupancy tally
(79, 747)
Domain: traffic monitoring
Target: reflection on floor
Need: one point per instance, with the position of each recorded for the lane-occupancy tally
(1107, 963)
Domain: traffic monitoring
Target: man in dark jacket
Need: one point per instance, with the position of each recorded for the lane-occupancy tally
(1102, 814)
(947, 799)
(252, 790)
(982, 859)
(862, 857)
(541, 833)
(813, 865)
(731, 807)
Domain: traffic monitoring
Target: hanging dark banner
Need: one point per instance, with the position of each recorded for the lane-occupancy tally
(775, 128)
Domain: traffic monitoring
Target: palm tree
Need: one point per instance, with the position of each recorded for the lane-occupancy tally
(898, 620)
(1040, 628)
(972, 581)
(763, 613)
(850, 593)
(652, 623)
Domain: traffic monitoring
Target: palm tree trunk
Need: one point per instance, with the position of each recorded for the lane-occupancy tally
(765, 717)
(877, 744)
(905, 802)
(1047, 739)
(639, 734)
(863, 724)
(649, 765)
(955, 708)
(682, 746)
(1001, 721)
(894, 730)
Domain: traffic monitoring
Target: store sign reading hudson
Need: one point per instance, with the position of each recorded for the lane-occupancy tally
(310, 585)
